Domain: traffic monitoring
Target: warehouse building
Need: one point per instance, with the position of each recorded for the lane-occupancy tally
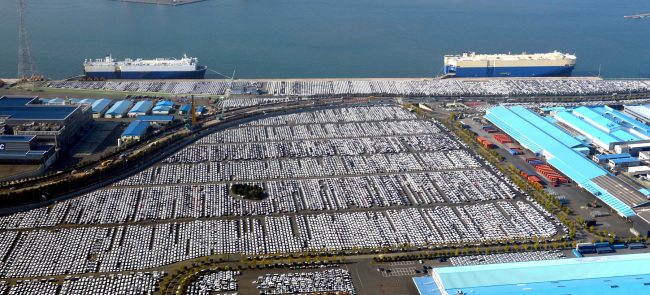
(602, 126)
(55, 125)
(614, 274)
(163, 108)
(156, 119)
(140, 108)
(557, 146)
(604, 158)
(119, 109)
(135, 131)
(100, 107)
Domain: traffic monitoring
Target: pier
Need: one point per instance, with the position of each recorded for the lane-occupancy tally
(637, 16)
(163, 2)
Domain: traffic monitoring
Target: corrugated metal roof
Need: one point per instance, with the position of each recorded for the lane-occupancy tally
(186, 108)
(161, 109)
(624, 160)
(119, 107)
(155, 118)
(200, 109)
(463, 277)
(141, 107)
(100, 105)
(136, 128)
(16, 138)
(165, 103)
(613, 156)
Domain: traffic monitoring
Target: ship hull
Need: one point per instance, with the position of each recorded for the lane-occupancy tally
(153, 75)
(536, 71)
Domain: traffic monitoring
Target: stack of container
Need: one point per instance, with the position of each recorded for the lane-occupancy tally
(515, 151)
(502, 138)
(531, 178)
(486, 143)
(489, 129)
(549, 173)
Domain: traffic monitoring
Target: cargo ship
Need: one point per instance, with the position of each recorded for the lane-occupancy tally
(470, 64)
(159, 68)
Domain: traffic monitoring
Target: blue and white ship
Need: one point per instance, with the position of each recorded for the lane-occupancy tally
(159, 68)
(470, 64)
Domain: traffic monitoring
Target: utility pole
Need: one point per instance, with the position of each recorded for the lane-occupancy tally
(26, 65)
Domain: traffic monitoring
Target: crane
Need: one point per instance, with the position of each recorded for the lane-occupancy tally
(192, 123)
(225, 100)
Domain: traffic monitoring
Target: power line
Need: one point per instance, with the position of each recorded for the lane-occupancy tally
(26, 64)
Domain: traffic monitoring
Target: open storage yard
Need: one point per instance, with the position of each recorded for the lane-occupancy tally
(401, 87)
(335, 179)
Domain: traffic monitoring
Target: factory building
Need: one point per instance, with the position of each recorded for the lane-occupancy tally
(100, 107)
(640, 113)
(614, 274)
(57, 125)
(140, 108)
(546, 139)
(23, 149)
(118, 110)
(602, 126)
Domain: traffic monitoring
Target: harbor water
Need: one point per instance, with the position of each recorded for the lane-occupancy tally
(328, 38)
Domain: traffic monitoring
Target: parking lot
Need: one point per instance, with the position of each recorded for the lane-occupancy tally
(335, 180)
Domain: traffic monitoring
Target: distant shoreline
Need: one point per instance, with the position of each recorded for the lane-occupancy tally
(163, 2)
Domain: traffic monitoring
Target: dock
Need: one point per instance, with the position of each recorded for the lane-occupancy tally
(163, 2)
(637, 16)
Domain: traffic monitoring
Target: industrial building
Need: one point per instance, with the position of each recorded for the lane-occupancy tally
(163, 108)
(614, 274)
(560, 149)
(156, 119)
(119, 109)
(135, 131)
(57, 125)
(140, 108)
(604, 158)
(640, 112)
(24, 149)
(100, 107)
(244, 90)
(602, 126)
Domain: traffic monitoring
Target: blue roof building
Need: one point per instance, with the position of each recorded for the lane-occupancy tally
(87, 100)
(119, 109)
(185, 108)
(557, 146)
(100, 106)
(604, 126)
(159, 110)
(156, 119)
(199, 110)
(140, 108)
(616, 274)
(165, 103)
(135, 130)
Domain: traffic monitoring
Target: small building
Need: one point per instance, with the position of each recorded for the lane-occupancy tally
(604, 158)
(119, 109)
(100, 107)
(644, 155)
(135, 131)
(633, 148)
(141, 108)
(638, 170)
(249, 89)
(199, 110)
(156, 119)
(185, 109)
(163, 108)
(623, 162)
